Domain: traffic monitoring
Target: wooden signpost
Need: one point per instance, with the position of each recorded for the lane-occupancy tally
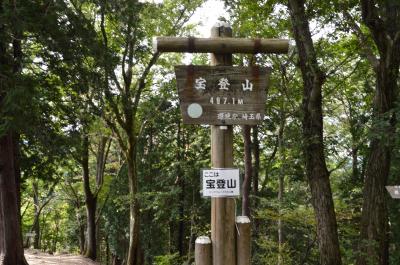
(222, 95)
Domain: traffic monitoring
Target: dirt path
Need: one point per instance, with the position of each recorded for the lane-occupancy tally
(35, 257)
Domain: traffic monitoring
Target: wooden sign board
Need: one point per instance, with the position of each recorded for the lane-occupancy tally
(394, 191)
(222, 95)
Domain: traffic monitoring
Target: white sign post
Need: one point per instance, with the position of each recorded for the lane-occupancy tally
(31, 234)
(394, 191)
(221, 182)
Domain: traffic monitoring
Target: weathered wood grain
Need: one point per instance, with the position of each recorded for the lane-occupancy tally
(243, 240)
(223, 107)
(203, 251)
(220, 45)
(222, 209)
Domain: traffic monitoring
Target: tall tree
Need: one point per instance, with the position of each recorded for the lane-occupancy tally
(91, 197)
(10, 69)
(135, 64)
(382, 18)
(313, 144)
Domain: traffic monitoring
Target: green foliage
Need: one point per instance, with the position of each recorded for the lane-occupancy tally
(171, 259)
(116, 214)
(76, 53)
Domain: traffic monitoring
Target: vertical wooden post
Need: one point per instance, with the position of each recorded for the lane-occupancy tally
(222, 209)
(243, 240)
(202, 251)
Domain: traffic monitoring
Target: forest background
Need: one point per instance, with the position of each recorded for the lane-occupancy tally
(94, 158)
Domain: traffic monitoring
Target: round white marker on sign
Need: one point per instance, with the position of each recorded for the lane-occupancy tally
(194, 110)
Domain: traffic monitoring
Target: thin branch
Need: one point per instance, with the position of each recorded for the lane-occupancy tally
(115, 130)
(75, 194)
(102, 208)
(147, 119)
(339, 165)
(309, 247)
(342, 80)
(269, 162)
(26, 208)
(362, 39)
(108, 71)
(339, 65)
(100, 179)
(141, 84)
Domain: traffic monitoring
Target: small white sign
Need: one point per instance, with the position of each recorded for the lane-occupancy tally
(32, 234)
(394, 191)
(221, 182)
(195, 110)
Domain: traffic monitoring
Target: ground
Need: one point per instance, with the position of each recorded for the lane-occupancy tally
(35, 257)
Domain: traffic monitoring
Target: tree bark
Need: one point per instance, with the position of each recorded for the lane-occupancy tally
(81, 238)
(90, 201)
(281, 187)
(107, 250)
(247, 170)
(385, 32)
(10, 232)
(134, 224)
(36, 223)
(256, 155)
(182, 184)
(11, 246)
(255, 176)
(116, 260)
(17, 156)
(313, 146)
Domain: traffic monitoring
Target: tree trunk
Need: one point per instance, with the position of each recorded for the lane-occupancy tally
(116, 260)
(255, 177)
(43, 229)
(10, 233)
(134, 224)
(36, 223)
(281, 187)
(11, 246)
(17, 168)
(313, 146)
(355, 164)
(149, 214)
(247, 170)
(181, 182)
(90, 201)
(81, 238)
(256, 155)
(181, 224)
(374, 220)
(192, 236)
(91, 246)
(55, 236)
(107, 250)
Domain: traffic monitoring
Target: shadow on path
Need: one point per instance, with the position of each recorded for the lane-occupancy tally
(35, 257)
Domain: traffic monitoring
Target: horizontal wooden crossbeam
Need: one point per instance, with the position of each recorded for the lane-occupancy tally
(220, 45)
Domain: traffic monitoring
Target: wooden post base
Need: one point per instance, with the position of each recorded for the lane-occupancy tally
(202, 251)
(243, 240)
